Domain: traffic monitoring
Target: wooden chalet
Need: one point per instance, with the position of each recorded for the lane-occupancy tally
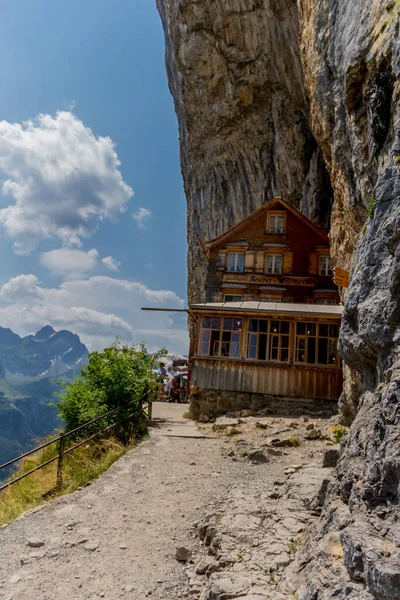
(267, 333)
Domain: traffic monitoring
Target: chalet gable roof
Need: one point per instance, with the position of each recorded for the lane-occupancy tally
(274, 204)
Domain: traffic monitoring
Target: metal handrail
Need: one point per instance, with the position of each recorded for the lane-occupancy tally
(61, 438)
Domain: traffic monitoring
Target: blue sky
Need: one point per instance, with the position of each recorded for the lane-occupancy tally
(93, 70)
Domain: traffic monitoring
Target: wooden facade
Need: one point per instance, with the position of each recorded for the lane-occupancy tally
(270, 323)
(275, 254)
(293, 353)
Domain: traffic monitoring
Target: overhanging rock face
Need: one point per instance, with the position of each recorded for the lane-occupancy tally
(272, 97)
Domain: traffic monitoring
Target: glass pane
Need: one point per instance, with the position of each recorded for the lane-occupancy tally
(278, 263)
(274, 326)
(311, 351)
(237, 325)
(251, 352)
(206, 323)
(322, 351)
(262, 346)
(228, 324)
(275, 341)
(332, 352)
(269, 263)
(274, 354)
(252, 339)
(323, 330)
(203, 350)
(235, 350)
(284, 355)
(301, 328)
(285, 327)
(216, 323)
(263, 326)
(240, 262)
(280, 224)
(333, 331)
(225, 348)
(231, 262)
(205, 335)
(285, 341)
(236, 337)
(253, 325)
(311, 329)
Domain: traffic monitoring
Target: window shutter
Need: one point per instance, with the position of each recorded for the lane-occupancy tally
(249, 261)
(287, 263)
(221, 260)
(313, 263)
(260, 258)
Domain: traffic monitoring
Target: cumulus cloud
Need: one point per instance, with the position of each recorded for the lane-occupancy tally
(97, 308)
(141, 215)
(70, 263)
(111, 263)
(62, 178)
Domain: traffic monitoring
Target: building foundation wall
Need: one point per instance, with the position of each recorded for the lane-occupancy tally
(209, 404)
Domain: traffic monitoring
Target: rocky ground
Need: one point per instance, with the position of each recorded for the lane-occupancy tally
(212, 514)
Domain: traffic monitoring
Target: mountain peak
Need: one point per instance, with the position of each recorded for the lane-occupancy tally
(44, 333)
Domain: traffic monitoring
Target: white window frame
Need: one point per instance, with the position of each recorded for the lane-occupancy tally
(273, 223)
(325, 266)
(236, 262)
(277, 259)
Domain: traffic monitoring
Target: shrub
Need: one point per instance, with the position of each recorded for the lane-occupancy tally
(112, 378)
(338, 432)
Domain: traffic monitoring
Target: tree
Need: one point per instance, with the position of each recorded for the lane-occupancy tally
(112, 378)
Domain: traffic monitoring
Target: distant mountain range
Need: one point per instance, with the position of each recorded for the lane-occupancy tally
(30, 372)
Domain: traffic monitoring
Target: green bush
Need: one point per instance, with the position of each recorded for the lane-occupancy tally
(112, 378)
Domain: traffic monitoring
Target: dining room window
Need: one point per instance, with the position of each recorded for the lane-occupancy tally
(220, 337)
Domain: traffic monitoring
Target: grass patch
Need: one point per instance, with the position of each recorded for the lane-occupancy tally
(294, 545)
(372, 205)
(293, 442)
(79, 467)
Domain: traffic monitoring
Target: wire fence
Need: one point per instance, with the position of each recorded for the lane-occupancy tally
(140, 409)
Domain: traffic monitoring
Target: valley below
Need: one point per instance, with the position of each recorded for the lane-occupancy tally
(31, 370)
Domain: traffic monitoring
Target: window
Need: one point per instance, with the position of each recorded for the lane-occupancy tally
(273, 263)
(268, 340)
(325, 266)
(232, 298)
(220, 337)
(236, 262)
(316, 343)
(327, 301)
(276, 223)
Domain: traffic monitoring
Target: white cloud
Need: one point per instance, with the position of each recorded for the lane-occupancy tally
(97, 309)
(70, 263)
(141, 215)
(62, 178)
(149, 265)
(111, 263)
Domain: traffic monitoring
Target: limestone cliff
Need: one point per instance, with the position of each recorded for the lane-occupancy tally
(302, 99)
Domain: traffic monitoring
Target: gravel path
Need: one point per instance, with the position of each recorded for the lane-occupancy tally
(117, 538)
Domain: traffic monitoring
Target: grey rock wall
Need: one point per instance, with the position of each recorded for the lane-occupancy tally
(235, 74)
(302, 99)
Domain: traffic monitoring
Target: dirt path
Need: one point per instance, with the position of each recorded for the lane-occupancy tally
(117, 537)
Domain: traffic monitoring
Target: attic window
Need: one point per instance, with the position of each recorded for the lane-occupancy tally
(276, 222)
(325, 266)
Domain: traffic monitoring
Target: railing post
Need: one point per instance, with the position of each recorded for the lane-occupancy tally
(60, 461)
(150, 395)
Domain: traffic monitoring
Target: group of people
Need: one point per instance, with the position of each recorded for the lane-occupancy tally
(173, 386)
